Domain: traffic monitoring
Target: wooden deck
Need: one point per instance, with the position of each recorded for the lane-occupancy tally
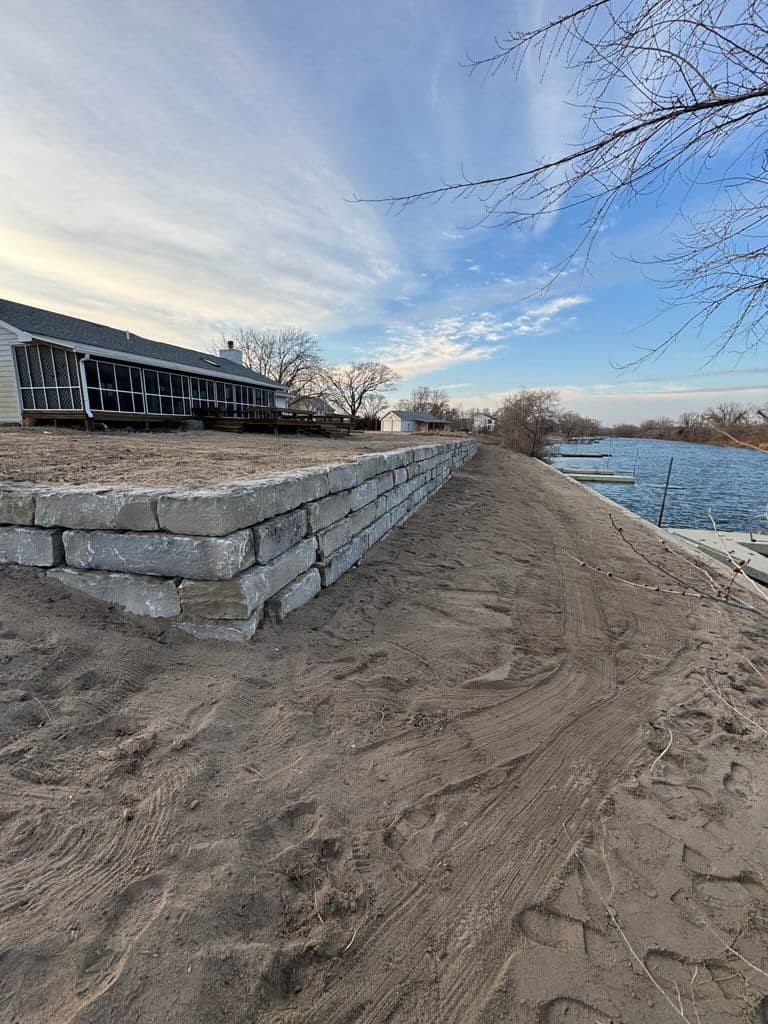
(257, 419)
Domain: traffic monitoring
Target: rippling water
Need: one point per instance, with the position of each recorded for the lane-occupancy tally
(733, 482)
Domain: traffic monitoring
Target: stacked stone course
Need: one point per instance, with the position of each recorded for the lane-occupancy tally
(217, 561)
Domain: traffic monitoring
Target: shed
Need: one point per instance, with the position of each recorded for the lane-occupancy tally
(409, 421)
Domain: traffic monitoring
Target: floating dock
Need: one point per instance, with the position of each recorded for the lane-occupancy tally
(581, 455)
(601, 478)
(730, 547)
(569, 471)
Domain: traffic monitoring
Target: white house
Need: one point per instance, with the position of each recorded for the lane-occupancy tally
(408, 421)
(484, 422)
(59, 368)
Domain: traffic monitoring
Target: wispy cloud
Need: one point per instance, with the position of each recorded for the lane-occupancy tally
(181, 180)
(424, 349)
(540, 319)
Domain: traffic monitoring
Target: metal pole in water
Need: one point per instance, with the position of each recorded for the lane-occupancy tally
(664, 496)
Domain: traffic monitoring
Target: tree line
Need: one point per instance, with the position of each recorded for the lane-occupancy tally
(532, 417)
(723, 423)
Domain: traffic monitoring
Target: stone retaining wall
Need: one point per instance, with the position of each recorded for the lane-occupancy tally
(219, 560)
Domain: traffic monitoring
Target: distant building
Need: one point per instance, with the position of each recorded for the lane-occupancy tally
(484, 422)
(312, 404)
(60, 368)
(408, 421)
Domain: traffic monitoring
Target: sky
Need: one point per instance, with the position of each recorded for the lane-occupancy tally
(184, 169)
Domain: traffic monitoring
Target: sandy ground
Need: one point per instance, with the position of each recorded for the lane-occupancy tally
(43, 455)
(413, 803)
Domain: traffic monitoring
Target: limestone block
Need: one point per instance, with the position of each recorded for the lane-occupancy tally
(338, 534)
(363, 494)
(28, 545)
(385, 482)
(401, 475)
(296, 594)
(103, 508)
(277, 535)
(17, 506)
(235, 630)
(371, 465)
(328, 510)
(342, 560)
(379, 529)
(161, 554)
(140, 595)
(216, 513)
(238, 598)
(342, 476)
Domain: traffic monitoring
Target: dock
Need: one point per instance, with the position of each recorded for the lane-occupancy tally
(739, 546)
(581, 455)
(569, 471)
(601, 478)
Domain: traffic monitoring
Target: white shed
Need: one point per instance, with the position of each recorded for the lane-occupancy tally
(408, 421)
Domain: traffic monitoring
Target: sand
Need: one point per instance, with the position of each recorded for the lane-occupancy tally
(67, 456)
(412, 803)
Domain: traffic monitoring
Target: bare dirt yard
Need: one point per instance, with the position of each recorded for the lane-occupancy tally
(45, 455)
(442, 793)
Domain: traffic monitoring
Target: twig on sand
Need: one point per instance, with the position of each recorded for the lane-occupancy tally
(692, 983)
(634, 956)
(45, 709)
(729, 948)
(661, 755)
(317, 909)
(349, 944)
(656, 589)
(742, 714)
(754, 668)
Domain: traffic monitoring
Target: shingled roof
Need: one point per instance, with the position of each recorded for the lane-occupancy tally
(59, 327)
(417, 417)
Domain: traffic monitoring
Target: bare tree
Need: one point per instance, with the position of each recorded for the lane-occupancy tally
(573, 424)
(432, 400)
(526, 418)
(727, 415)
(666, 92)
(291, 356)
(349, 386)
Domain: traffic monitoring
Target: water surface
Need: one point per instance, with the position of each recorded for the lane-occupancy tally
(733, 482)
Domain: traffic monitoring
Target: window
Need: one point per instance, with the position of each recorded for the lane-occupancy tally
(112, 387)
(229, 400)
(167, 393)
(48, 378)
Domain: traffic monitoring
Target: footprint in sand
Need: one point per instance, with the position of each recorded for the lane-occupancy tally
(738, 780)
(571, 1011)
(548, 929)
(132, 914)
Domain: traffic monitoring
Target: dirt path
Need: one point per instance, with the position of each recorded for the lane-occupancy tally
(411, 803)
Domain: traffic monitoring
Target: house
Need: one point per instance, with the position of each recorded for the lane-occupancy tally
(313, 405)
(408, 421)
(484, 422)
(60, 368)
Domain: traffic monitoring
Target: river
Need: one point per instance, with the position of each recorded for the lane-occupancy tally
(733, 482)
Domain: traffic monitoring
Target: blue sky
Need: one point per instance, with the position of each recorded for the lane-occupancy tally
(182, 168)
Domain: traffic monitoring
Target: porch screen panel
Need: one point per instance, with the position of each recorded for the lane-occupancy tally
(113, 387)
(167, 393)
(48, 378)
